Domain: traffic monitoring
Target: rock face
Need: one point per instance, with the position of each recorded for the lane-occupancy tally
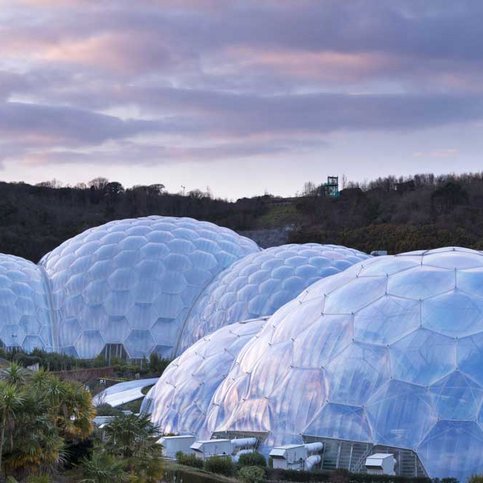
(267, 238)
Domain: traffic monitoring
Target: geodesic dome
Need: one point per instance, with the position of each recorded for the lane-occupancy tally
(129, 284)
(260, 283)
(25, 320)
(180, 399)
(388, 352)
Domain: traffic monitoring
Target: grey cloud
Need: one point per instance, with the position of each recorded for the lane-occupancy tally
(68, 124)
(243, 114)
(166, 48)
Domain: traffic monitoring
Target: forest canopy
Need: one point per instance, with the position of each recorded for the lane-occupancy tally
(395, 214)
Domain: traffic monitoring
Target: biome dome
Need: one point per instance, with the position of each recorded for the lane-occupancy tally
(25, 320)
(129, 284)
(180, 399)
(260, 283)
(389, 352)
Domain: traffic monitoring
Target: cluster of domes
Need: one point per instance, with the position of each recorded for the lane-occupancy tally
(390, 351)
(385, 351)
(137, 286)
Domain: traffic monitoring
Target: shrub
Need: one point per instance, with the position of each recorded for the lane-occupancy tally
(252, 459)
(476, 479)
(39, 479)
(103, 467)
(223, 465)
(296, 475)
(189, 460)
(339, 476)
(105, 409)
(251, 474)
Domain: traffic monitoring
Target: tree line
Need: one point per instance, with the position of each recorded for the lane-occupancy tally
(392, 213)
(36, 219)
(397, 214)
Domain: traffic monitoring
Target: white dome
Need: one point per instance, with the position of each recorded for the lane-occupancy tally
(25, 320)
(132, 282)
(179, 401)
(260, 283)
(388, 352)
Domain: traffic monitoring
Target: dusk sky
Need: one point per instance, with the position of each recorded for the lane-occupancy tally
(241, 96)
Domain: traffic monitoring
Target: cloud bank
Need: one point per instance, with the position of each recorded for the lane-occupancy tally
(162, 82)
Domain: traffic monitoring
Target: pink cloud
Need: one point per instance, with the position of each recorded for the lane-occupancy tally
(321, 66)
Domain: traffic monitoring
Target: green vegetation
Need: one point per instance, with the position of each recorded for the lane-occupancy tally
(251, 474)
(222, 465)
(396, 214)
(252, 459)
(189, 460)
(56, 362)
(40, 416)
(131, 441)
(36, 219)
(125, 450)
(46, 429)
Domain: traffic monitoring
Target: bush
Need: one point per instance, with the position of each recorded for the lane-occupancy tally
(476, 479)
(39, 479)
(295, 475)
(189, 460)
(105, 409)
(222, 465)
(251, 474)
(252, 459)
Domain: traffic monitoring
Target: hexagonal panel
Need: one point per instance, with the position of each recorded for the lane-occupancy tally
(423, 357)
(470, 356)
(138, 343)
(115, 329)
(387, 320)
(89, 343)
(340, 421)
(454, 314)
(356, 295)
(453, 449)
(457, 397)
(356, 373)
(400, 413)
(421, 282)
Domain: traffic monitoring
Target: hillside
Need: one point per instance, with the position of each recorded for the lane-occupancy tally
(392, 214)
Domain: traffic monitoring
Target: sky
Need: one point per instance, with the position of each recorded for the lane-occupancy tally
(244, 97)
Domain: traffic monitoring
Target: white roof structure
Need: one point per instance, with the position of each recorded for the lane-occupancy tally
(122, 393)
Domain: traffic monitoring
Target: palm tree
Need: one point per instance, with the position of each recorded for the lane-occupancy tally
(15, 374)
(46, 412)
(134, 439)
(131, 436)
(69, 404)
(11, 401)
(103, 468)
